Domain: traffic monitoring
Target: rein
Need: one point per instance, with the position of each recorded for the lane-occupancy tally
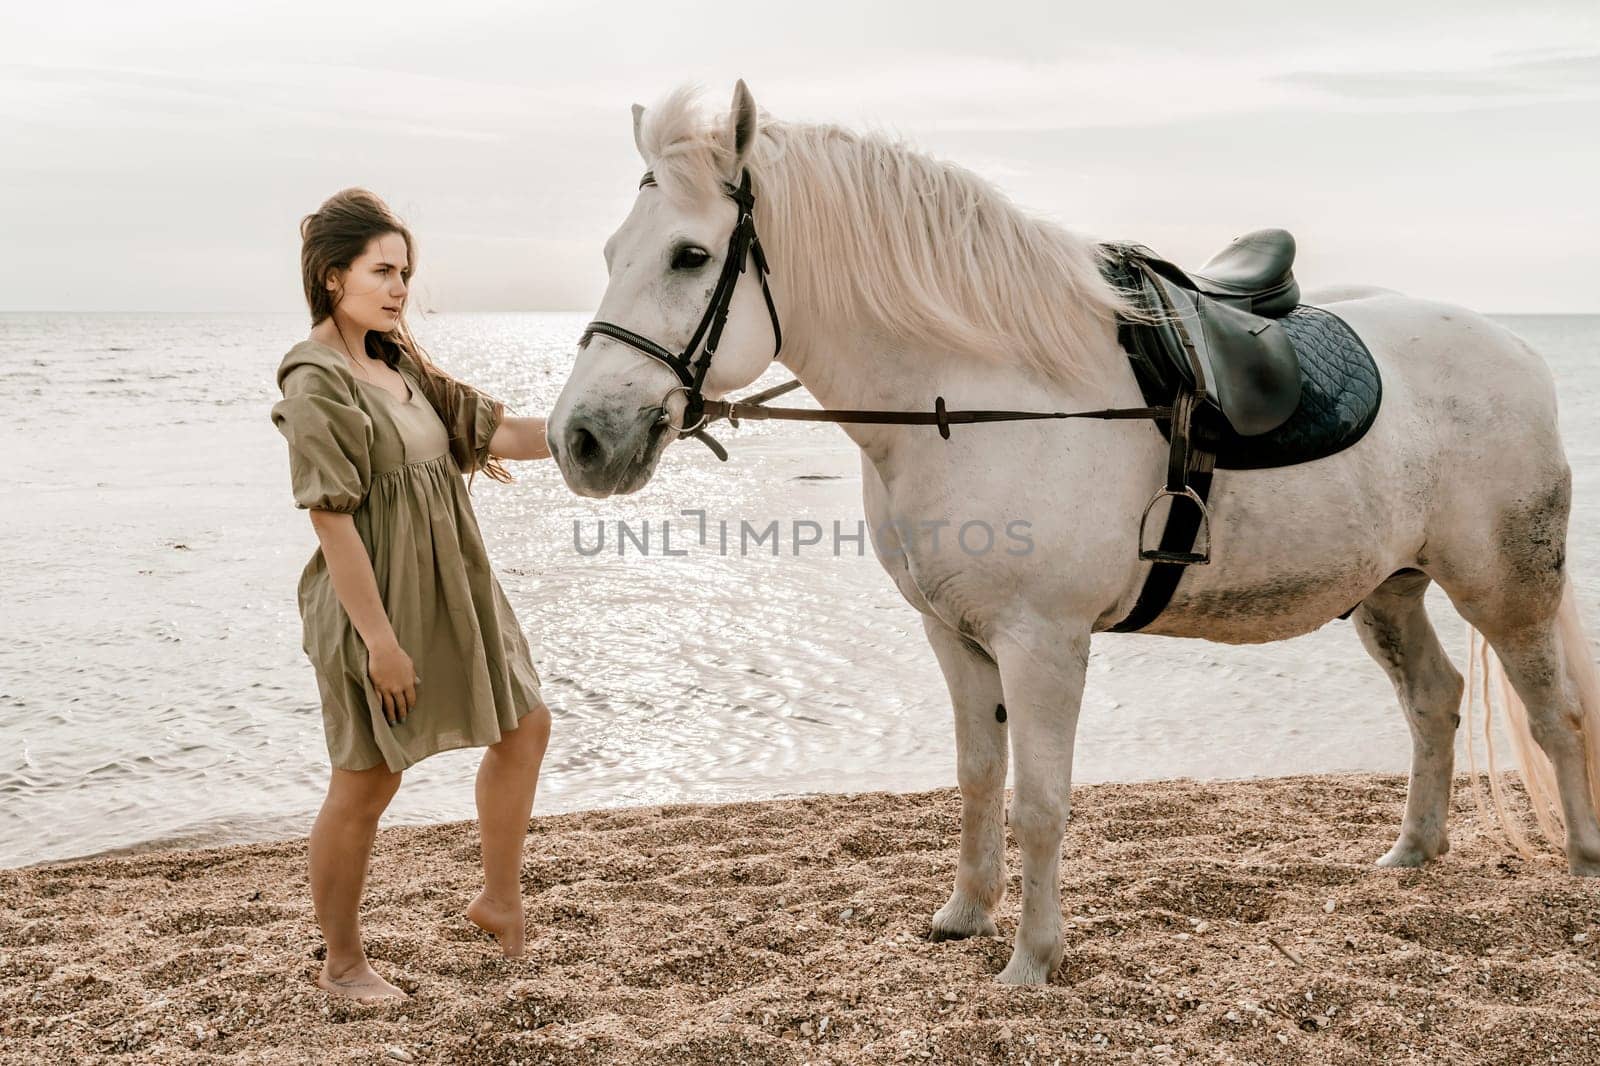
(700, 412)
(755, 409)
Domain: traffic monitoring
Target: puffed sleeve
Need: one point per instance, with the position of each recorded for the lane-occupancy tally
(476, 418)
(330, 439)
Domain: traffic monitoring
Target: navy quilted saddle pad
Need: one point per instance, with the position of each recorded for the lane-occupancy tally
(1340, 392)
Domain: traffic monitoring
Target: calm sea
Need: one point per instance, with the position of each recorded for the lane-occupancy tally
(153, 690)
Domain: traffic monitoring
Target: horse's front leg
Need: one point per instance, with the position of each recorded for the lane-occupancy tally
(1042, 676)
(974, 683)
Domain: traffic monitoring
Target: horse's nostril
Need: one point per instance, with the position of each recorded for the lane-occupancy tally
(583, 446)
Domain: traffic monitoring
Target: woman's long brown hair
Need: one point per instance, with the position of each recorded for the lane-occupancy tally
(333, 237)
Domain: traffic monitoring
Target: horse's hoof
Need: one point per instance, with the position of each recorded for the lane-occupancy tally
(1582, 866)
(1410, 854)
(1398, 857)
(1024, 969)
(1025, 973)
(939, 934)
(961, 917)
(958, 921)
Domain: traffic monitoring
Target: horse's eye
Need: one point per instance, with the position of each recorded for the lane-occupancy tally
(690, 258)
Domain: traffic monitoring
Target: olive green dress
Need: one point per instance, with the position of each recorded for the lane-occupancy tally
(356, 448)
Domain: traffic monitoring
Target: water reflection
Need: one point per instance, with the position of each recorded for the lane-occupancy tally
(152, 686)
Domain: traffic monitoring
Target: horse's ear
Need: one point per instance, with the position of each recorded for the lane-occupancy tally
(743, 117)
(638, 123)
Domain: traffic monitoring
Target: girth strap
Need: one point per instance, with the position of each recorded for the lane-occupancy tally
(1177, 538)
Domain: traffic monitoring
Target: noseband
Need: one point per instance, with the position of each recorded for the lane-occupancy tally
(742, 243)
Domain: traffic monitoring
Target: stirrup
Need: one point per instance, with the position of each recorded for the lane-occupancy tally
(1189, 558)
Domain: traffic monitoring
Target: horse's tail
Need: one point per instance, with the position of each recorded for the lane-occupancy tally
(1486, 679)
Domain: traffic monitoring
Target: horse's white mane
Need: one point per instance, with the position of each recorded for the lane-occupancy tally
(873, 234)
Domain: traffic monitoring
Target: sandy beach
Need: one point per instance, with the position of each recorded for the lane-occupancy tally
(1205, 921)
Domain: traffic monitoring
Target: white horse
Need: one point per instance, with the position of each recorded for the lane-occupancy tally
(899, 278)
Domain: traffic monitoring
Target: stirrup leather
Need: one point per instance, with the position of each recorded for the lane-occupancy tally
(1180, 545)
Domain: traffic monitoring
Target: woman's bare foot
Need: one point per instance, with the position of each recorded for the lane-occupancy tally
(359, 982)
(504, 920)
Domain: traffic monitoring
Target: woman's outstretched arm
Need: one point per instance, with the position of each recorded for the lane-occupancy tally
(519, 438)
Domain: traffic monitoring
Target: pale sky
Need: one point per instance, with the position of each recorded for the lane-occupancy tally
(158, 156)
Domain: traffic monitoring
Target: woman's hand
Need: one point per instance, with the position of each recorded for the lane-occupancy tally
(395, 679)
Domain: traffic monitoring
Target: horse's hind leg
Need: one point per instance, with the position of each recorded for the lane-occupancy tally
(1396, 632)
(974, 683)
(1518, 596)
(1534, 656)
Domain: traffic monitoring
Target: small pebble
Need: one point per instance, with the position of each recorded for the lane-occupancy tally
(399, 1054)
(1329, 906)
(1580, 938)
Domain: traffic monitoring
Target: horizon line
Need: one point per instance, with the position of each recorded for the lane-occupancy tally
(524, 311)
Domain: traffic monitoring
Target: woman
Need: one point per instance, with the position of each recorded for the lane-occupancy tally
(415, 647)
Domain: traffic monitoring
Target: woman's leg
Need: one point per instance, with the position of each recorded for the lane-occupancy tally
(506, 780)
(340, 847)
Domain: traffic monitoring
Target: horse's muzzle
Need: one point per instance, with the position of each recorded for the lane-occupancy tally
(602, 455)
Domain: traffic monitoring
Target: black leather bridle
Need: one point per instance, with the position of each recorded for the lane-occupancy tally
(743, 244)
